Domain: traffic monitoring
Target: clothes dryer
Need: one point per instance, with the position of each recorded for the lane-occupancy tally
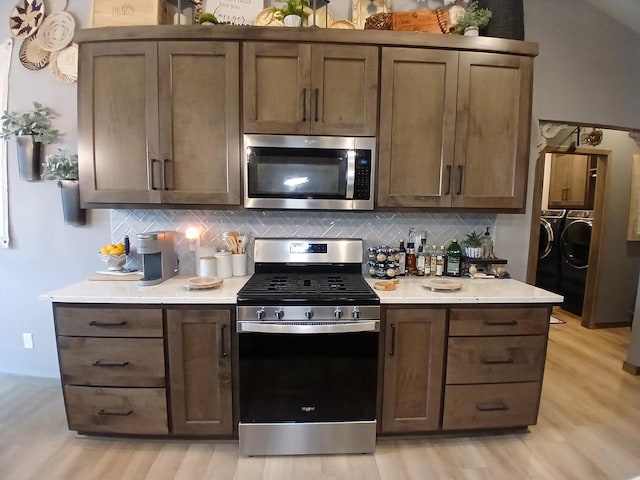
(575, 247)
(549, 257)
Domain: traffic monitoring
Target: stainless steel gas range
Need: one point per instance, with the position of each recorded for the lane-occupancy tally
(308, 326)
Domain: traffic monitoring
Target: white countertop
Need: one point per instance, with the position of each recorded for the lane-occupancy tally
(171, 291)
(486, 290)
(409, 290)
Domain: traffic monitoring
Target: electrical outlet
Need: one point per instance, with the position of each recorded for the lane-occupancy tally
(27, 340)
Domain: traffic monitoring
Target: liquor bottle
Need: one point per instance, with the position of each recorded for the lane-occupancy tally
(420, 261)
(411, 259)
(402, 259)
(440, 261)
(454, 255)
(434, 260)
(427, 261)
(487, 245)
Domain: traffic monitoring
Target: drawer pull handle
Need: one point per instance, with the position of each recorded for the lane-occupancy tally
(492, 408)
(486, 361)
(93, 323)
(113, 413)
(510, 323)
(99, 363)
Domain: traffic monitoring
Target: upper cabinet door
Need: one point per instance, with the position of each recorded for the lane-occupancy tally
(492, 130)
(344, 90)
(199, 122)
(417, 127)
(302, 89)
(276, 88)
(118, 123)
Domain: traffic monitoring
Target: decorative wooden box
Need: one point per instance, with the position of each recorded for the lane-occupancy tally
(116, 13)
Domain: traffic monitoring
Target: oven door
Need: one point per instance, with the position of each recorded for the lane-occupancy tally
(316, 377)
(308, 172)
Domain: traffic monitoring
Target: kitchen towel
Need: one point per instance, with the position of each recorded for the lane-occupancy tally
(5, 64)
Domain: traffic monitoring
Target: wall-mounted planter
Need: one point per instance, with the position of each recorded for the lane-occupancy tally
(70, 192)
(29, 158)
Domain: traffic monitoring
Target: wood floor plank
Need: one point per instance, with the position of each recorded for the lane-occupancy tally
(588, 428)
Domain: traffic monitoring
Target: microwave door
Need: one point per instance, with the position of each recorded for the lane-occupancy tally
(351, 173)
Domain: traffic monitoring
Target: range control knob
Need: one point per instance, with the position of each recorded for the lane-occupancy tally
(260, 314)
(308, 314)
(356, 313)
(279, 314)
(337, 313)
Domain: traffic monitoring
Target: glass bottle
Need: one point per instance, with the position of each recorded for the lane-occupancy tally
(427, 261)
(420, 261)
(434, 260)
(440, 261)
(487, 245)
(411, 259)
(454, 255)
(402, 259)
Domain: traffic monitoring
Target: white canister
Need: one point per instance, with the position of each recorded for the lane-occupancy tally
(207, 267)
(239, 261)
(225, 268)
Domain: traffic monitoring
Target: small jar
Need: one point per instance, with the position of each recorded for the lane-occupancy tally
(381, 255)
(372, 268)
(390, 269)
(381, 270)
(372, 252)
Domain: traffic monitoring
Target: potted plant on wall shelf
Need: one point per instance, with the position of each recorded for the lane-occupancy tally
(31, 130)
(293, 13)
(63, 167)
(472, 20)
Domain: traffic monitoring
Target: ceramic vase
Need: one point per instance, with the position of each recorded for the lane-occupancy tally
(471, 31)
(293, 21)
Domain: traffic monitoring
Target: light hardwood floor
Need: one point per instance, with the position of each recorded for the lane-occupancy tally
(588, 428)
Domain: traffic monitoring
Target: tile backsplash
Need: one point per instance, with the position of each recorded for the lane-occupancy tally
(375, 228)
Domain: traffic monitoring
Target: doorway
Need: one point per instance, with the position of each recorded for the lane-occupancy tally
(570, 183)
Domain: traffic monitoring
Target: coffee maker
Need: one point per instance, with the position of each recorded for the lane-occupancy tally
(159, 261)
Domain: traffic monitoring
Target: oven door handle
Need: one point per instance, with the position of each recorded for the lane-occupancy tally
(307, 328)
(351, 173)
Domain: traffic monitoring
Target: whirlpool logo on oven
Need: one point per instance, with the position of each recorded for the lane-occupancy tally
(308, 409)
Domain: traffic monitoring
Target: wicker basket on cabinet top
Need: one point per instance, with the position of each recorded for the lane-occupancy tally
(117, 13)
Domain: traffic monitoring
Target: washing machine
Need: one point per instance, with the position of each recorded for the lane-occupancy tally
(575, 244)
(549, 257)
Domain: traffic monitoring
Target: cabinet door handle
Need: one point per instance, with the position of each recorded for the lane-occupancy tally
(460, 172)
(115, 413)
(487, 361)
(316, 102)
(496, 407)
(100, 363)
(223, 350)
(448, 180)
(153, 174)
(495, 323)
(392, 350)
(93, 323)
(165, 162)
(304, 104)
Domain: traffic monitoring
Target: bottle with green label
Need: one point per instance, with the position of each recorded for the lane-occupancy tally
(454, 254)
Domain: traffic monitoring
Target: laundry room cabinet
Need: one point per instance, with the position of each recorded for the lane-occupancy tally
(569, 181)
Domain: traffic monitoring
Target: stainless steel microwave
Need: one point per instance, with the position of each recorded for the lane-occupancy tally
(309, 172)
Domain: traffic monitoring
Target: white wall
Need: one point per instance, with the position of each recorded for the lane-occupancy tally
(44, 253)
(586, 72)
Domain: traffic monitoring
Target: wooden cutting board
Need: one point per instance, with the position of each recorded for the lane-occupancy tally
(105, 276)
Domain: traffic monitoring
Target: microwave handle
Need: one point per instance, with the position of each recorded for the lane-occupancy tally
(351, 173)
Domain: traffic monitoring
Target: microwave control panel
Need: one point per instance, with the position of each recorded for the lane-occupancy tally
(362, 186)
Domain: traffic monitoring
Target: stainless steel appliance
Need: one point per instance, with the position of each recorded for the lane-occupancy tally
(576, 246)
(159, 261)
(549, 257)
(308, 326)
(298, 172)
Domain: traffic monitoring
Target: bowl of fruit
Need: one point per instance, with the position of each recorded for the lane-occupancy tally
(113, 256)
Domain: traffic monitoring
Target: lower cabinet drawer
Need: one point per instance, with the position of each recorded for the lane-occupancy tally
(495, 359)
(117, 410)
(490, 406)
(112, 362)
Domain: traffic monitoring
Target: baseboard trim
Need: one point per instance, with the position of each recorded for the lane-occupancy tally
(631, 368)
